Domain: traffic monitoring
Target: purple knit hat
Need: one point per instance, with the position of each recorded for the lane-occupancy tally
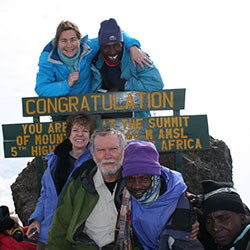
(141, 158)
(109, 32)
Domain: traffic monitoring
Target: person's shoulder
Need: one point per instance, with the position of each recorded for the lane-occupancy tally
(47, 55)
(127, 60)
(85, 169)
(243, 241)
(48, 47)
(91, 43)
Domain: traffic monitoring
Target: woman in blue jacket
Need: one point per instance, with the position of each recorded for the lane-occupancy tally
(67, 156)
(64, 64)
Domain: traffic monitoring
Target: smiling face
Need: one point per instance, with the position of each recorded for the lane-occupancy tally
(68, 43)
(137, 185)
(224, 226)
(112, 52)
(79, 137)
(108, 154)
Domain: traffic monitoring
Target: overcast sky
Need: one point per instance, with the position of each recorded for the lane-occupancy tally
(202, 46)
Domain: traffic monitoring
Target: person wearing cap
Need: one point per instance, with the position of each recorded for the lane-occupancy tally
(154, 208)
(86, 214)
(113, 69)
(64, 64)
(224, 216)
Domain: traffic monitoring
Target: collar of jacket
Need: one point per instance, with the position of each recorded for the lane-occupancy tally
(99, 63)
(88, 184)
(54, 57)
(63, 149)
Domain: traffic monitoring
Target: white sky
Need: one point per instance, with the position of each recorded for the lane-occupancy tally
(202, 46)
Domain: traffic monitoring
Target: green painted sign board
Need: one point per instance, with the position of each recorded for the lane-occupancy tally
(168, 133)
(171, 99)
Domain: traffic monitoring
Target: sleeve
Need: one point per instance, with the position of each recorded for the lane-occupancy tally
(94, 45)
(130, 41)
(147, 80)
(46, 83)
(177, 231)
(57, 237)
(172, 243)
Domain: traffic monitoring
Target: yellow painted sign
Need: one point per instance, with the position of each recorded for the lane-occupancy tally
(106, 102)
(168, 133)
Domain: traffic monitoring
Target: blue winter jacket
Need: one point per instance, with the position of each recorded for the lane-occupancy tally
(149, 220)
(51, 80)
(147, 80)
(166, 223)
(47, 201)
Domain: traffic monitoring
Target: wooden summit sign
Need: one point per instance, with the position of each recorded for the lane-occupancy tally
(107, 102)
(168, 133)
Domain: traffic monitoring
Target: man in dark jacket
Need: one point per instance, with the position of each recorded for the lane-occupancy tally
(154, 207)
(224, 218)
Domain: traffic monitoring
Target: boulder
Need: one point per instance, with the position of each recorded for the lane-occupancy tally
(25, 191)
(215, 163)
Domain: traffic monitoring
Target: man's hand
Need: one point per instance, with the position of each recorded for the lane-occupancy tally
(195, 230)
(73, 77)
(137, 56)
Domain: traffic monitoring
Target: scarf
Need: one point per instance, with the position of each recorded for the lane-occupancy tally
(152, 193)
(109, 64)
(123, 230)
(70, 62)
(149, 220)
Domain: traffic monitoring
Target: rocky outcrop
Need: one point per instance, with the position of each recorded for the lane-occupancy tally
(215, 163)
(25, 191)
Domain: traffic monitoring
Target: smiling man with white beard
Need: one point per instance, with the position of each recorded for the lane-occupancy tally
(87, 211)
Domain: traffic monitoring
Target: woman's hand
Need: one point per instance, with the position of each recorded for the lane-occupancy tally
(73, 77)
(33, 230)
(137, 56)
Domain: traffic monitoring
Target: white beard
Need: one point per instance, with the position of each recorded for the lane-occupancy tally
(109, 170)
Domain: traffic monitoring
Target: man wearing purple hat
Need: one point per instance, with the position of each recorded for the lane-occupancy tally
(113, 69)
(154, 207)
(224, 217)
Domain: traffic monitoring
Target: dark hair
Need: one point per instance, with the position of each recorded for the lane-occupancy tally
(65, 25)
(86, 120)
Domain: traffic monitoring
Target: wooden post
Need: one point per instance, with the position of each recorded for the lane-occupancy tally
(39, 163)
(39, 172)
(178, 154)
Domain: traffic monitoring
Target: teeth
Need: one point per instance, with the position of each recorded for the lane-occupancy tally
(139, 193)
(113, 57)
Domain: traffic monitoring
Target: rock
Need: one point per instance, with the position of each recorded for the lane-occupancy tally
(25, 191)
(215, 163)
